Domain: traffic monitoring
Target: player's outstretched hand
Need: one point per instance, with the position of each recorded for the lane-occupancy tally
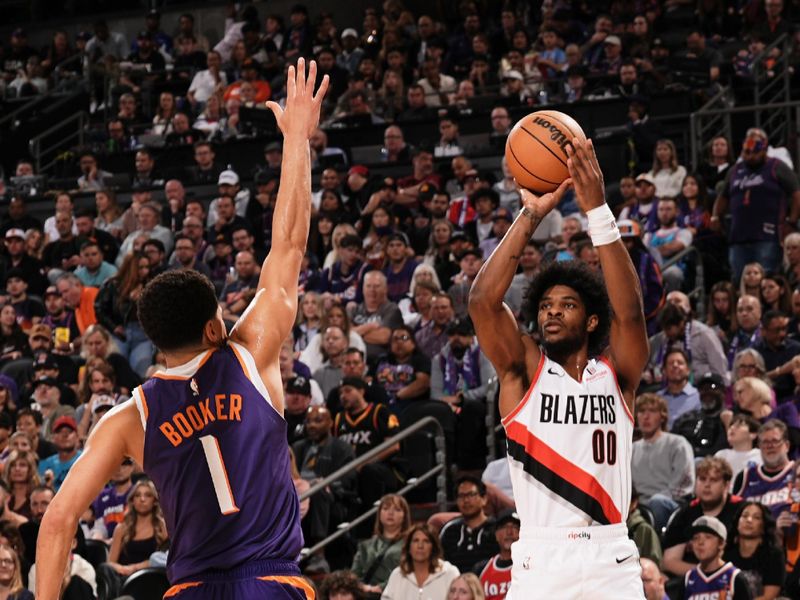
(301, 115)
(584, 170)
(539, 206)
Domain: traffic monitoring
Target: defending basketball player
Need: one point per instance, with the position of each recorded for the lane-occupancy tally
(566, 405)
(210, 431)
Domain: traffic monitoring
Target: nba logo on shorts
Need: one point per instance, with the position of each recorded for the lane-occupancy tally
(526, 564)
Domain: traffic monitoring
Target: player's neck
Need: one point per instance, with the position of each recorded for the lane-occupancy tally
(181, 357)
(574, 363)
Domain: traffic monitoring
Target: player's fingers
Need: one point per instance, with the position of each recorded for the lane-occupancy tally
(323, 89)
(301, 75)
(275, 108)
(291, 83)
(562, 189)
(312, 77)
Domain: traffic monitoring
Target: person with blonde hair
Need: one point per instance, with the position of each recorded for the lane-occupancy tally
(667, 174)
(379, 555)
(11, 587)
(466, 586)
(22, 476)
(755, 397)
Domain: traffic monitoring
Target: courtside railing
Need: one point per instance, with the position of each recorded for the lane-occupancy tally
(438, 471)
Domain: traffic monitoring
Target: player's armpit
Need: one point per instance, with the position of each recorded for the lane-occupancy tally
(117, 435)
(498, 335)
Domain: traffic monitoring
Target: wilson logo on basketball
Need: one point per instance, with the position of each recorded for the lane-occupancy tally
(556, 135)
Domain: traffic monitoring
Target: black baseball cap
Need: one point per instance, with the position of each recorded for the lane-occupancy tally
(298, 385)
(509, 515)
(355, 382)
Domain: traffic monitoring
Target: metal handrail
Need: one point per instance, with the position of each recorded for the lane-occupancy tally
(35, 143)
(699, 280)
(437, 471)
(714, 109)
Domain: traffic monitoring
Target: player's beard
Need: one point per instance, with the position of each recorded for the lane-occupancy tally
(560, 349)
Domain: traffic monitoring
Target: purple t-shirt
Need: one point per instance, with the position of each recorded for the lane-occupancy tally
(110, 506)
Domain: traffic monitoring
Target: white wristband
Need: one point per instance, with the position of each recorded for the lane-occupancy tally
(602, 226)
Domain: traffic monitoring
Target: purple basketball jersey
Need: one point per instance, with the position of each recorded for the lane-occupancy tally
(772, 492)
(717, 586)
(216, 450)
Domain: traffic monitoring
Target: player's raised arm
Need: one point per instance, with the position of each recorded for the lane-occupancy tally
(269, 318)
(629, 347)
(109, 443)
(494, 322)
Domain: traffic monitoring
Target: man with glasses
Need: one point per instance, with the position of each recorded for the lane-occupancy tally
(777, 349)
(404, 372)
(469, 539)
(770, 482)
(205, 169)
(193, 232)
(711, 499)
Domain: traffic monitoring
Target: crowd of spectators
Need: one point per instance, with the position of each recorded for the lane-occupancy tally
(382, 336)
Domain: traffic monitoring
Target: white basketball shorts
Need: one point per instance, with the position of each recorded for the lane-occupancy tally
(580, 563)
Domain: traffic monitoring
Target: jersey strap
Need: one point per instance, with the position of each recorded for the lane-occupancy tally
(248, 365)
(560, 476)
(140, 402)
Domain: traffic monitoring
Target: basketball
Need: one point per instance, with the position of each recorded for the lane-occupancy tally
(536, 149)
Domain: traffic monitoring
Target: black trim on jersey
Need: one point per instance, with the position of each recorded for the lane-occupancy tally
(557, 484)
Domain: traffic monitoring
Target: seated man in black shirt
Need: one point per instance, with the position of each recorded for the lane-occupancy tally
(355, 365)
(297, 396)
(468, 539)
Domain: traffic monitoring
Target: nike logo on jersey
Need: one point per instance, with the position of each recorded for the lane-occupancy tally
(552, 371)
(622, 560)
(583, 409)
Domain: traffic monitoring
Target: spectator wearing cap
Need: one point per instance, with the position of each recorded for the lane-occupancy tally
(151, 61)
(89, 413)
(644, 209)
(375, 317)
(29, 310)
(529, 263)
(360, 190)
(501, 223)
(395, 148)
(108, 508)
(351, 54)
(18, 261)
(703, 427)
(611, 58)
(449, 144)
(365, 426)
(712, 498)
(460, 375)
(230, 187)
(65, 436)
(297, 394)
(762, 195)
(149, 226)
(400, 266)
(48, 366)
(713, 577)
(63, 254)
(495, 573)
(17, 54)
(470, 262)
(343, 280)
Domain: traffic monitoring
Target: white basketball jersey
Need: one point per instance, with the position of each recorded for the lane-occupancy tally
(569, 448)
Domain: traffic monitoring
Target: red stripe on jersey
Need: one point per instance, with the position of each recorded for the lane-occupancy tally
(505, 420)
(574, 475)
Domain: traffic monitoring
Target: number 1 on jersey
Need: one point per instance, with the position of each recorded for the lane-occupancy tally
(219, 476)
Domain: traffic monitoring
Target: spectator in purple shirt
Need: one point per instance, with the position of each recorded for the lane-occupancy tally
(400, 267)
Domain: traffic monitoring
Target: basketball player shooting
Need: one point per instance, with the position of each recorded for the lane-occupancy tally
(567, 405)
(209, 430)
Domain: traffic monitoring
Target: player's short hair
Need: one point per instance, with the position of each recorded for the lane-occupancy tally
(650, 400)
(175, 307)
(712, 463)
(471, 479)
(590, 288)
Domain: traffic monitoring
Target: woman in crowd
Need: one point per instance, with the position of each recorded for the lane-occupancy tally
(721, 315)
(378, 226)
(233, 68)
(422, 573)
(747, 363)
(22, 475)
(209, 120)
(438, 254)
(775, 294)
(417, 309)
(693, 205)
(335, 316)
(13, 341)
(162, 121)
(466, 587)
(98, 343)
(666, 172)
(753, 548)
(115, 308)
(750, 284)
(308, 320)
(720, 159)
(110, 217)
(379, 555)
(11, 586)
(390, 98)
(341, 230)
(320, 241)
(142, 532)
(34, 243)
(8, 397)
(755, 397)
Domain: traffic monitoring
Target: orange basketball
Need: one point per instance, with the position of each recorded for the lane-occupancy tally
(536, 149)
